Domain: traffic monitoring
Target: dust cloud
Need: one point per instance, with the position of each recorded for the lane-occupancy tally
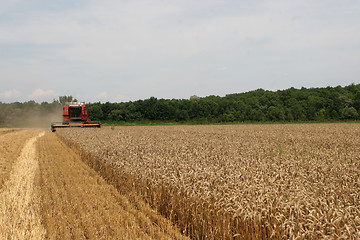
(36, 119)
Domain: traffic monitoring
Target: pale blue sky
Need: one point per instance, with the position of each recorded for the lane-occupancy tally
(122, 50)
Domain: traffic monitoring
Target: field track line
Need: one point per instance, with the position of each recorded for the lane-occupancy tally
(20, 216)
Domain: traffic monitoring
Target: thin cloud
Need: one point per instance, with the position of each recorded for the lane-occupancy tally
(121, 98)
(103, 95)
(10, 95)
(221, 69)
(40, 94)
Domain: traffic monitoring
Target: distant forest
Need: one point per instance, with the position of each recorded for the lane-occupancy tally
(305, 104)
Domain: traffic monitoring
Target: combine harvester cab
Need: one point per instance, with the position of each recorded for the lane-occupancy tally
(74, 115)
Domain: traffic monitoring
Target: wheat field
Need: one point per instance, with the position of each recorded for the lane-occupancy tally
(240, 181)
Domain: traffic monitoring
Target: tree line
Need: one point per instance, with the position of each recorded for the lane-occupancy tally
(305, 104)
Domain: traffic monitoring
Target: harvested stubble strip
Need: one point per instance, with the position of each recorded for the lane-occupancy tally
(78, 203)
(19, 196)
(11, 143)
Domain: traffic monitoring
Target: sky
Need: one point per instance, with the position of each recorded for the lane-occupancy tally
(125, 50)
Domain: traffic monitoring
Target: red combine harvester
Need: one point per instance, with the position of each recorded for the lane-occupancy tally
(74, 115)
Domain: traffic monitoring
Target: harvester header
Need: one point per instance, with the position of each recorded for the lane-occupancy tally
(74, 115)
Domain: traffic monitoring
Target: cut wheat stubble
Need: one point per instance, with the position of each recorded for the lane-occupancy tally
(20, 209)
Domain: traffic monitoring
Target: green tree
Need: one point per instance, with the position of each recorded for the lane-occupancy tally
(95, 112)
(64, 99)
(194, 98)
(275, 113)
(256, 115)
(117, 115)
(320, 115)
(350, 113)
(227, 117)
